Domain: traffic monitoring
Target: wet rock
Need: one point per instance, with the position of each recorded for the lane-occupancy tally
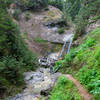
(38, 84)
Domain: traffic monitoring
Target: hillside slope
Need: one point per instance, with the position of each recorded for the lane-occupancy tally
(83, 62)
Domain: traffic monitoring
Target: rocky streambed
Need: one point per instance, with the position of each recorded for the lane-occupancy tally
(37, 83)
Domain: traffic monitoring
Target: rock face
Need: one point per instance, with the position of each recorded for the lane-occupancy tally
(93, 26)
(37, 82)
(36, 25)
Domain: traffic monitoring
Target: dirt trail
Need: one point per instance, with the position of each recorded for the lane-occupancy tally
(84, 93)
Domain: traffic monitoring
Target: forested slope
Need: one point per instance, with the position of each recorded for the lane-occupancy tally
(15, 58)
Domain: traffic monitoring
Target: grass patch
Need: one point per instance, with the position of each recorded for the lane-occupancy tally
(27, 16)
(65, 90)
(40, 40)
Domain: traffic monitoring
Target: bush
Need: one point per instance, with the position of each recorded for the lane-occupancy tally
(11, 75)
(56, 3)
(12, 70)
(27, 16)
(61, 31)
(6, 3)
(90, 78)
(16, 14)
(31, 4)
(80, 26)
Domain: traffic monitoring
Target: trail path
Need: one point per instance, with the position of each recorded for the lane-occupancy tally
(84, 93)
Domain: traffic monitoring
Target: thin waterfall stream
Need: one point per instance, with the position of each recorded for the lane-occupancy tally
(64, 46)
(69, 46)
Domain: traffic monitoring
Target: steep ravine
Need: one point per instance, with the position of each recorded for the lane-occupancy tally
(37, 81)
(37, 30)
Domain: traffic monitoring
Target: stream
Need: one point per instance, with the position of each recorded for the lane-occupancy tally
(40, 80)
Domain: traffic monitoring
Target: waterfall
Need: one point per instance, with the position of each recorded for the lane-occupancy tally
(63, 49)
(69, 46)
(64, 46)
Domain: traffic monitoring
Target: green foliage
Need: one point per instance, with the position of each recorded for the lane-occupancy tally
(80, 11)
(80, 26)
(87, 59)
(15, 58)
(69, 57)
(82, 8)
(12, 70)
(32, 4)
(17, 13)
(76, 54)
(65, 90)
(61, 30)
(6, 3)
(25, 35)
(91, 79)
(56, 3)
(73, 7)
(27, 16)
(40, 40)
(11, 75)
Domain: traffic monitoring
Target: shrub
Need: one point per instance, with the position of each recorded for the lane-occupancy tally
(56, 3)
(61, 31)
(6, 2)
(90, 78)
(27, 16)
(31, 4)
(12, 70)
(11, 75)
(16, 14)
(79, 26)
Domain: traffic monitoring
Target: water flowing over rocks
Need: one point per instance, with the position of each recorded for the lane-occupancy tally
(39, 26)
(38, 81)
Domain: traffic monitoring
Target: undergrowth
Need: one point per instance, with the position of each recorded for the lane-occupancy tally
(84, 63)
(65, 90)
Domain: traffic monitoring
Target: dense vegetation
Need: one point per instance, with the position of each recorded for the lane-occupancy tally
(15, 58)
(83, 62)
(65, 90)
(31, 4)
(78, 11)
